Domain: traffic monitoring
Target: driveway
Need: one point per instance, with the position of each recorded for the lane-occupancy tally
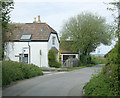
(56, 84)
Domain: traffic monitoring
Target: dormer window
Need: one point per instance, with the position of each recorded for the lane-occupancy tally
(53, 40)
(26, 37)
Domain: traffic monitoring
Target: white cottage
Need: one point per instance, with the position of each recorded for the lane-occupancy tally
(31, 44)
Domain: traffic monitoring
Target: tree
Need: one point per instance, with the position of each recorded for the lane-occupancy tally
(5, 7)
(86, 31)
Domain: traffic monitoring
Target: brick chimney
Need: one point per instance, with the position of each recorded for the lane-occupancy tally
(34, 20)
(39, 19)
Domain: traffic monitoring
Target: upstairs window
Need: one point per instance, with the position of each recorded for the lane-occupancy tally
(53, 40)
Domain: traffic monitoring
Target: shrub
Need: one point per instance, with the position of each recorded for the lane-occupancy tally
(83, 60)
(107, 82)
(104, 83)
(52, 61)
(57, 64)
(112, 56)
(13, 71)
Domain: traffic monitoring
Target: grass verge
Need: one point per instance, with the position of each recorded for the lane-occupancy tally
(73, 68)
(13, 71)
(61, 69)
(105, 83)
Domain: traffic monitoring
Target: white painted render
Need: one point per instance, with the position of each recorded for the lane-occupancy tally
(15, 48)
(36, 58)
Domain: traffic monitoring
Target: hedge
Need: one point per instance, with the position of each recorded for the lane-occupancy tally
(106, 82)
(13, 71)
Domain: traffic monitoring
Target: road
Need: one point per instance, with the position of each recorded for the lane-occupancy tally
(56, 84)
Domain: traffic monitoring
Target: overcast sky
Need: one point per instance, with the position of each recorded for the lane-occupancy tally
(55, 12)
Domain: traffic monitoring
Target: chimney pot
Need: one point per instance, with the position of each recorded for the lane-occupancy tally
(39, 19)
(34, 19)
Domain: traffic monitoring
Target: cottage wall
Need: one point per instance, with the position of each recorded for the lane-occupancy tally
(15, 48)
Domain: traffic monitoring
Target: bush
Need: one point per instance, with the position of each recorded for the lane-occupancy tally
(107, 82)
(57, 64)
(13, 71)
(112, 56)
(52, 61)
(104, 83)
(83, 60)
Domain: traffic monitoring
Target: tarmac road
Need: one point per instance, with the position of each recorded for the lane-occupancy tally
(53, 84)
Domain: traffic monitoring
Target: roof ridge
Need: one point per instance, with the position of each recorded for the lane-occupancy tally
(37, 23)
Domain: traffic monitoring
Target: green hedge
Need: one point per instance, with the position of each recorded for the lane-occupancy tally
(13, 71)
(105, 83)
(113, 56)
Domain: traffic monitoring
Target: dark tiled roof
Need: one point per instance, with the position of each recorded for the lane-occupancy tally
(64, 49)
(39, 31)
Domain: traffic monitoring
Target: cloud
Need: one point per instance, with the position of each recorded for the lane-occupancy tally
(56, 13)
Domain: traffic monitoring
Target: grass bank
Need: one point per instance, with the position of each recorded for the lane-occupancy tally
(13, 71)
(52, 69)
(73, 68)
(105, 83)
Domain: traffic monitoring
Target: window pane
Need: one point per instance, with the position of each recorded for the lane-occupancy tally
(53, 40)
(24, 59)
(26, 37)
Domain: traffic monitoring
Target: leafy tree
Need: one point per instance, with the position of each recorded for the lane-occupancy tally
(86, 31)
(5, 6)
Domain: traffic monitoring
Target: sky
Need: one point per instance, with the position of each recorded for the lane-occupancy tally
(56, 12)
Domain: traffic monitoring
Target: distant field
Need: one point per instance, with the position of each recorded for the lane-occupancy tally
(102, 55)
